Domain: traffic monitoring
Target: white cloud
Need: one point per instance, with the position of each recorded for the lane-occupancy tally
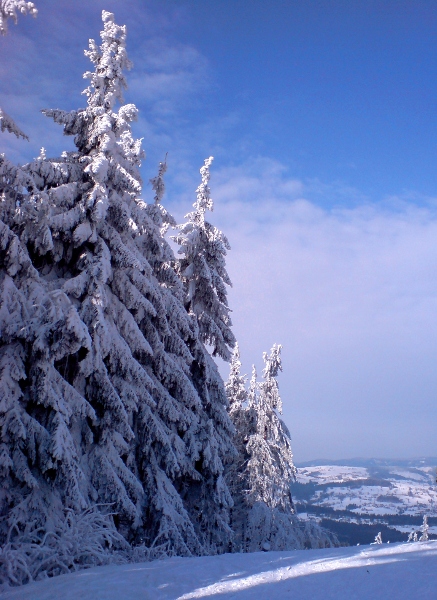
(352, 296)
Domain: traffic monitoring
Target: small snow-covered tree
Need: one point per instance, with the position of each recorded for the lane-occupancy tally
(263, 514)
(378, 539)
(425, 530)
(203, 271)
(270, 468)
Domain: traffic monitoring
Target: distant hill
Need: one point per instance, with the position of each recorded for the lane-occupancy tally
(357, 498)
(374, 462)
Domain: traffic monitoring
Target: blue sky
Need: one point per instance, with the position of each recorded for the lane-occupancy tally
(322, 118)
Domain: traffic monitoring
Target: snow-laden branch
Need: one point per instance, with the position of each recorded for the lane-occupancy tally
(8, 124)
(9, 10)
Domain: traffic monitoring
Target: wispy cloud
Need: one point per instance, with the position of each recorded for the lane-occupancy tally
(168, 75)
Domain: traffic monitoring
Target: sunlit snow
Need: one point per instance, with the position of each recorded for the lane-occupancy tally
(400, 571)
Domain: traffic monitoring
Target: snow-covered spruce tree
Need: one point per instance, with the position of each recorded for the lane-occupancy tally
(378, 539)
(270, 467)
(215, 428)
(38, 326)
(263, 515)
(242, 417)
(425, 530)
(39, 466)
(8, 10)
(203, 271)
(129, 408)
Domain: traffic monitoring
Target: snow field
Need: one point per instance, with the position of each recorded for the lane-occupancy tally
(414, 493)
(401, 498)
(330, 474)
(398, 571)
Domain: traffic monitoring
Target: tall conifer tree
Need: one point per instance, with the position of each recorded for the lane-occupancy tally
(203, 271)
(126, 406)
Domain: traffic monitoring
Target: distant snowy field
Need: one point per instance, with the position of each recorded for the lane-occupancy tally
(404, 491)
(400, 571)
(377, 494)
(331, 474)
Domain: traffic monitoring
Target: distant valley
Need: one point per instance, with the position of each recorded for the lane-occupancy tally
(358, 498)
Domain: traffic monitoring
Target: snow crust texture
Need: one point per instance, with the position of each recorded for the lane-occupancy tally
(400, 571)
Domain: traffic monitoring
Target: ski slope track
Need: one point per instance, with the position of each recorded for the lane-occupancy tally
(356, 573)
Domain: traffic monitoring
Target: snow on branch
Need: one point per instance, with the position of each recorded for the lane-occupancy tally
(204, 201)
(157, 182)
(9, 9)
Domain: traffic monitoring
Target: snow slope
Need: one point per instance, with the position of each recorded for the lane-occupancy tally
(400, 571)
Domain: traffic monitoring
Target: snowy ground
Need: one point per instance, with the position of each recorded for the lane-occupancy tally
(400, 571)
